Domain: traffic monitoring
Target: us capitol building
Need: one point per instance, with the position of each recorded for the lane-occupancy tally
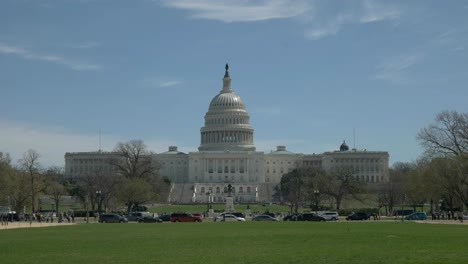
(227, 155)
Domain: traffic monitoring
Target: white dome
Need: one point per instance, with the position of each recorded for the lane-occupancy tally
(225, 101)
(227, 122)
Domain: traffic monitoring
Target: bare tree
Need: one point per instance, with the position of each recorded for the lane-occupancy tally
(340, 184)
(448, 135)
(30, 164)
(134, 160)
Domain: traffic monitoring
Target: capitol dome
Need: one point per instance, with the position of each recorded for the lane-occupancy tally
(227, 125)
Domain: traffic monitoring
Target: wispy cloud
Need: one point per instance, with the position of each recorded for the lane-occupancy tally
(160, 82)
(320, 18)
(330, 23)
(168, 83)
(376, 11)
(393, 68)
(84, 45)
(240, 11)
(30, 55)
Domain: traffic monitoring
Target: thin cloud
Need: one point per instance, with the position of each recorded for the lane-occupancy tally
(375, 11)
(168, 83)
(84, 45)
(240, 11)
(159, 82)
(29, 55)
(393, 69)
(330, 23)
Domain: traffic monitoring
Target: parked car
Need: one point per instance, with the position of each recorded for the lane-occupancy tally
(239, 214)
(358, 216)
(134, 216)
(330, 216)
(291, 217)
(164, 218)
(264, 218)
(416, 216)
(149, 219)
(310, 217)
(226, 217)
(198, 215)
(112, 218)
(184, 217)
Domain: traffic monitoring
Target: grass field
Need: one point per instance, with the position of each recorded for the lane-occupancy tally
(248, 242)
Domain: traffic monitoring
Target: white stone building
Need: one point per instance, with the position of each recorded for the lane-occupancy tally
(227, 155)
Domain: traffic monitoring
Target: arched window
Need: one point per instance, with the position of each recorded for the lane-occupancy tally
(241, 189)
(248, 189)
(225, 189)
(218, 190)
(202, 190)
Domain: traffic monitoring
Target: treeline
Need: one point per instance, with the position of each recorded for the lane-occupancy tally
(439, 177)
(132, 181)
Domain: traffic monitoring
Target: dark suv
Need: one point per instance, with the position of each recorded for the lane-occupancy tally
(185, 217)
(112, 218)
(135, 216)
(310, 217)
(358, 216)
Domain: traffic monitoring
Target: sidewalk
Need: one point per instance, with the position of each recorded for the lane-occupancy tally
(33, 224)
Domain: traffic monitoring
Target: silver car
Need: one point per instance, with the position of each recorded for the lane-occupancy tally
(224, 217)
(330, 216)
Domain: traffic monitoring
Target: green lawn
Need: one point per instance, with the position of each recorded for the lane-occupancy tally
(248, 242)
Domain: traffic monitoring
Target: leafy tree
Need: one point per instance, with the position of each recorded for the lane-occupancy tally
(134, 192)
(292, 190)
(55, 188)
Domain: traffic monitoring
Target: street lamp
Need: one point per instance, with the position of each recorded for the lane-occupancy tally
(208, 201)
(316, 193)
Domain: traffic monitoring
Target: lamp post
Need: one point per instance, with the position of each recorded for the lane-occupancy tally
(208, 201)
(316, 193)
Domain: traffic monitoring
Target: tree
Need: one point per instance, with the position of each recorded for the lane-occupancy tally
(134, 160)
(448, 135)
(394, 189)
(339, 183)
(30, 165)
(134, 192)
(291, 188)
(136, 170)
(446, 139)
(297, 187)
(55, 187)
(5, 170)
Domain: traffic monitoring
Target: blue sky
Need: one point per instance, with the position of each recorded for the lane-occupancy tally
(309, 72)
